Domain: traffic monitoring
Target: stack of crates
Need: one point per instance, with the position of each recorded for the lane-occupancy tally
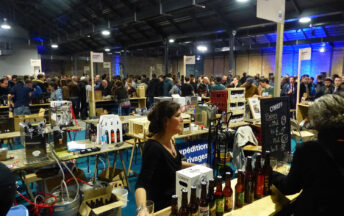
(236, 104)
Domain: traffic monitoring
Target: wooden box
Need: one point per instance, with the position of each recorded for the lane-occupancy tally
(98, 95)
(141, 91)
(27, 118)
(139, 127)
(186, 127)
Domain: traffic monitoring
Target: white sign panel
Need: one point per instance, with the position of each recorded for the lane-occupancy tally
(305, 54)
(98, 57)
(107, 65)
(35, 62)
(189, 59)
(86, 68)
(273, 10)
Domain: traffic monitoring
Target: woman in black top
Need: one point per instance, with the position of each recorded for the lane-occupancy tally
(318, 166)
(160, 159)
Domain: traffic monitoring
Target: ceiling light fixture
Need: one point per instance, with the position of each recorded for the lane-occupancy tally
(107, 50)
(106, 32)
(54, 46)
(305, 20)
(322, 49)
(202, 48)
(5, 25)
(171, 40)
(242, 0)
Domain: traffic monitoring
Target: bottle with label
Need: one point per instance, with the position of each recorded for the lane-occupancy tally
(259, 178)
(174, 206)
(107, 137)
(203, 203)
(193, 205)
(249, 190)
(112, 136)
(211, 198)
(228, 193)
(220, 202)
(240, 190)
(267, 172)
(183, 211)
(118, 134)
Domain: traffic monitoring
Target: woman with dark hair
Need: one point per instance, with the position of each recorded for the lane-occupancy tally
(121, 99)
(7, 189)
(318, 166)
(160, 159)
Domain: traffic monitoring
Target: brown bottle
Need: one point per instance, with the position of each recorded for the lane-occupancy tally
(211, 198)
(259, 178)
(112, 136)
(228, 193)
(174, 206)
(193, 205)
(240, 190)
(220, 202)
(249, 181)
(183, 211)
(203, 203)
(267, 172)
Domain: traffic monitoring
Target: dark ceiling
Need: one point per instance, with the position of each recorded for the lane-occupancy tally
(138, 25)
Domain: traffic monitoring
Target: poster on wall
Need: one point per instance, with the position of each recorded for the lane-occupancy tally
(189, 60)
(107, 65)
(272, 10)
(98, 57)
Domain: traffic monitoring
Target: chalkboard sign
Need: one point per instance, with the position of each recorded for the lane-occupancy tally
(275, 120)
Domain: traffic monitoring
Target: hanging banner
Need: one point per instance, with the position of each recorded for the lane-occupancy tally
(107, 65)
(35, 62)
(98, 57)
(273, 10)
(189, 59)
(305, 54)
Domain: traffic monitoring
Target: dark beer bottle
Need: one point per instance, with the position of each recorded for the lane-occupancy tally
(220, 202)
(249, 190)
(193, 205)
(259, 178)
(211, 198)
(174, 206)
(203, 203)
(228, 193)
(183, 211)
(112, 136)
(267, 172)
(240, 190)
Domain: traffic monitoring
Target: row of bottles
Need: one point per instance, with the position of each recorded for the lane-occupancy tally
(251, 184)
(100, 202)
(255, 183)
(213, 204)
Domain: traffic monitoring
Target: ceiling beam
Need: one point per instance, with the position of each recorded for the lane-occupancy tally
(171, 21)
(296, 6)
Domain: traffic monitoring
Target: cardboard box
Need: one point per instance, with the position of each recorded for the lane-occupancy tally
(98, 95)
(186, 126)
(141, 91)
(113, 208)
(27, 118)
(188, 177)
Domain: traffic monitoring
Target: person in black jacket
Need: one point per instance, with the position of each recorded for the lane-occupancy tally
(83, 100)
(160, 159)
(187, 89)
(7, 189)
(318, 166)
(152, 91)
(122, 99)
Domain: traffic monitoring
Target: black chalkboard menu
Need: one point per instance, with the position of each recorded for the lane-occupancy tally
(275, 121)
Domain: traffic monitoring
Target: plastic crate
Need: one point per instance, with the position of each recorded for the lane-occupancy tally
(219, 99)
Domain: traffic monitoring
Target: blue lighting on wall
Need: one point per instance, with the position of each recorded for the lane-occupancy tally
(41, 49)
(38, 38)
(117, 47)
(117, 60)
(320, 61)
(219, 31)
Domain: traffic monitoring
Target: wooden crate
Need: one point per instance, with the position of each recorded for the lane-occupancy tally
(27, 118)
(98, 95)
(139, 127)
(186, 127)
(141, 91)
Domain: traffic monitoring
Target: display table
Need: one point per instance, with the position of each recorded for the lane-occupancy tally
(268, 205)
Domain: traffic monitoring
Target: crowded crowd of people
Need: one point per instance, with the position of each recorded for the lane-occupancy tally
(21, 91)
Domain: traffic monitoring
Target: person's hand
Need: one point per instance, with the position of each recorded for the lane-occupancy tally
(290, 91)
